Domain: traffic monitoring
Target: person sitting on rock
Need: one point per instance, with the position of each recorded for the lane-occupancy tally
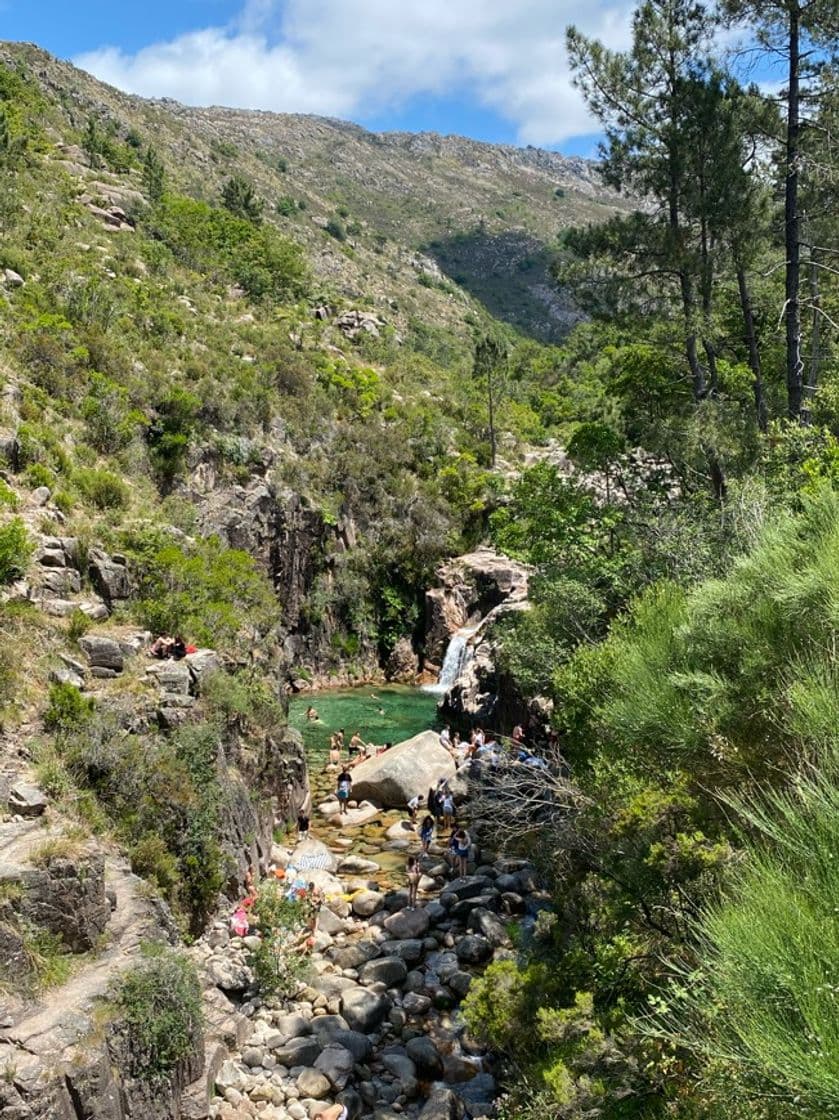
(178, 648)
(414, 874)
(413, 805)
(344, 790)
(161, 647)
(357, 744)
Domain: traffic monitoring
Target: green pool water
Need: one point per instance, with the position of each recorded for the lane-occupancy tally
(386, 713)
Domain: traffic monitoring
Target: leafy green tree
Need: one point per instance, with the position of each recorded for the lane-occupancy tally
(92, 142)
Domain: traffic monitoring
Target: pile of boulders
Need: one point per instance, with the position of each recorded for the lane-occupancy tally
(376, 1025)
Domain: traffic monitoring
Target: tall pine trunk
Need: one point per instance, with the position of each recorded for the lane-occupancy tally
(792, 220)
(750, 336)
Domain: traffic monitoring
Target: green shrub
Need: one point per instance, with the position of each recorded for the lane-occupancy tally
(208, 593)
(286, 206)
(759, 1010)
(170, 433)
(8, 498)
(159, 1007)
(336, 228)
(213, 240)
(495, 1003)
(278, 963)
(68, 710)
(102, 488)
(16, 548)
(79, 624)
(151, 858)
(240, 198)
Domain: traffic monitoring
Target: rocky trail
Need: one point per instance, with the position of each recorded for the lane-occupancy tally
(376, 1025)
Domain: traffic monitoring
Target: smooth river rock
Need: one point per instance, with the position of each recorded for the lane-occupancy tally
(392, 778)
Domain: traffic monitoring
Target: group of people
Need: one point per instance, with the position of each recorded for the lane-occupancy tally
(244, 921)
(165, 647)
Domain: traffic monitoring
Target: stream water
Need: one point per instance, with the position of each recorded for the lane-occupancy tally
(381, 713)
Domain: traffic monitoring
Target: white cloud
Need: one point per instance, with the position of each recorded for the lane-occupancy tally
(354, 58)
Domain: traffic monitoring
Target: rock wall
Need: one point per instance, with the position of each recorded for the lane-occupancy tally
(296, 546)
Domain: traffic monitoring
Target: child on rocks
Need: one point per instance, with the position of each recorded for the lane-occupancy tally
(414, 873)
(426, 834)
(344, 789)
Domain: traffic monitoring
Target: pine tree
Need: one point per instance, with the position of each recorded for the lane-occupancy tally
(154, 175)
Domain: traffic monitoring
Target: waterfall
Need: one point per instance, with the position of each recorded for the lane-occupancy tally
(458, 655)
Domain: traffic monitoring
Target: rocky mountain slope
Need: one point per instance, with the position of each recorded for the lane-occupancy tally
(427, 220)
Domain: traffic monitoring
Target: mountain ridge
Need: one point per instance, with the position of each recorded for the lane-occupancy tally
(484, 218)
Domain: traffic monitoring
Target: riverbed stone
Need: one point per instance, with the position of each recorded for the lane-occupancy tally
(405, 924)
(325, 1028)
(392, 778)
(364, 1010)
(474, 949)
(489, 925)
(423, 1053)
(410, 949)
(390, 971)
(358, 1044)
(313, 1083)
(297, 1052)
(365, 903)
(337, 1064)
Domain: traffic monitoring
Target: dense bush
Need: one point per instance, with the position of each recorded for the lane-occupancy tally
(158, 1004)
(102, 488)
(209, 593)
(15, 550)
(68, 710)
(758, 1011)
(212, 240)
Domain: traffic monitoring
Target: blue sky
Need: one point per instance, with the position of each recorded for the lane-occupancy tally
(492, 69)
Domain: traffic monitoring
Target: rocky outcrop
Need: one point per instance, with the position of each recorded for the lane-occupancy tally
(296, 546)
(392, 778)
(67, 897)
(469, 588)
(403, 664)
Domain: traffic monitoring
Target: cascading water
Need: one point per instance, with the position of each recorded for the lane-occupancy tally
(458, 655)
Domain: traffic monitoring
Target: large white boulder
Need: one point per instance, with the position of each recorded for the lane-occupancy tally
(409, 768)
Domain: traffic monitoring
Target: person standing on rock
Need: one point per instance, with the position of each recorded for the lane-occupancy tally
(414, 874)
(334, 752)
(413, 806)
(344, 790)
(463, 844)
(446, 737)
(448, 809)
(302, 826)
(427, 834)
